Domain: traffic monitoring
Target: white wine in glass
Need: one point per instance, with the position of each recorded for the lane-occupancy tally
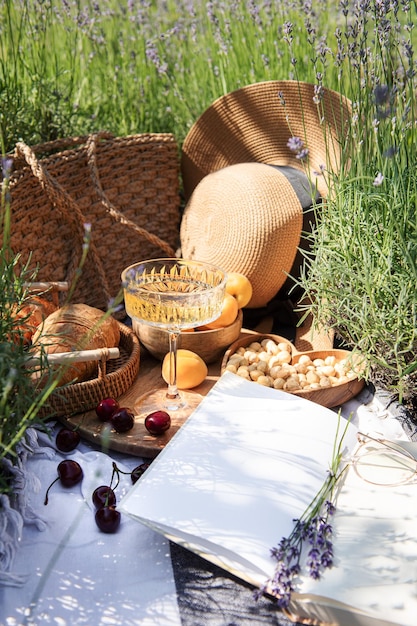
(174, 295)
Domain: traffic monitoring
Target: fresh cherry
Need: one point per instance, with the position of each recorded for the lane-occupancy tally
(67, 440)
(108, 519)
(106, 408)
(157, 422)
(103, 496)
(138, 472)
(69, 473)
(123, 420)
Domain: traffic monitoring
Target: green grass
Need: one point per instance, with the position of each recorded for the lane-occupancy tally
(74, 66)
(69, 68)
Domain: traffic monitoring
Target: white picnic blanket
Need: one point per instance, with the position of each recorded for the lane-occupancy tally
(72, 574)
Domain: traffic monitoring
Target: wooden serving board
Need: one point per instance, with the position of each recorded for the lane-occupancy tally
(137, 442)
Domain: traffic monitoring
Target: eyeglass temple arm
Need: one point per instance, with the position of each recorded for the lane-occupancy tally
(403, 447)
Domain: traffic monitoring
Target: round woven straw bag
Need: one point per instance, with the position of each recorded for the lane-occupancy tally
(245, 218)
(125, 188)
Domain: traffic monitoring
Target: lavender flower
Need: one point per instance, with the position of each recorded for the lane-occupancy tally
(382, 97)
(381, 94)
(287, 29)
(254, 11)
(6, 167)
(318, 94)
(296, 144)
(310, 542)
(320, 171)
(153, 55)
(315, 532)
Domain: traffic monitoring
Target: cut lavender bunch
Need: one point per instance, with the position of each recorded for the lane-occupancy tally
(309, 547)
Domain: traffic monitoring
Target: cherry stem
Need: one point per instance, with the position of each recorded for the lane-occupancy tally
(116, 471)
(119, 471)
(47, 491)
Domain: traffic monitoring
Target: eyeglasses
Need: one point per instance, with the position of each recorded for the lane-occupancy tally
(382, 462)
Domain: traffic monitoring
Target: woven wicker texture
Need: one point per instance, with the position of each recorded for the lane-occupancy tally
(255, 124)
(113, 379)
(126, 188)
(245, 218)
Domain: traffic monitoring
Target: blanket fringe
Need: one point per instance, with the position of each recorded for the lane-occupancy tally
(15, 510)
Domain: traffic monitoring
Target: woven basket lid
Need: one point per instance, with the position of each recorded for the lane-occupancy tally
(245, 218)
(254, 123)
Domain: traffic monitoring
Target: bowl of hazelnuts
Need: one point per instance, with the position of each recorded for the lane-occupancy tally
(327, 377)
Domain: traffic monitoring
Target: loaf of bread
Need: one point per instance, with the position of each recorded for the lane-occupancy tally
(76, 327)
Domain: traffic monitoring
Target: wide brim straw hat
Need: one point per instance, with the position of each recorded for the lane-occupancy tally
(254, 124)
(245, 218)
(241, 213)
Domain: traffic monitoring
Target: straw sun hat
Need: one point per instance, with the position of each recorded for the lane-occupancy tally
(241, 213)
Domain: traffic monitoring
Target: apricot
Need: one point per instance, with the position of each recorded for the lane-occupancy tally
(191, 369)
(240, 287)
(230, 309)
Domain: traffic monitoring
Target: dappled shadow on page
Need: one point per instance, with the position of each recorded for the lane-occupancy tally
(245, 465)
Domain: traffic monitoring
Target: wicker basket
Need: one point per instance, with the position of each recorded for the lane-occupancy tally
(126, 188)
(113, 379)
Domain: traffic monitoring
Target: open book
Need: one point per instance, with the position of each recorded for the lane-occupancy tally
(248, 462)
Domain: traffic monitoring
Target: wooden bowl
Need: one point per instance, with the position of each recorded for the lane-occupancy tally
(334, 395)
(341, 392)
(208, 344)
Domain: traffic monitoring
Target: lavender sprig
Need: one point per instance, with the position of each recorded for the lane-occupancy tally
(310, 544)
(296, 144)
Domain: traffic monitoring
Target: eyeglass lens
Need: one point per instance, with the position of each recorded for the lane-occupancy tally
(382, 466)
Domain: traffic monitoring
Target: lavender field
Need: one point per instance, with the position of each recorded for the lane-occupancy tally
(74, 66)
(70, 67)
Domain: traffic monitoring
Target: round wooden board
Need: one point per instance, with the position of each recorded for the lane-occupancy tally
(138, 441)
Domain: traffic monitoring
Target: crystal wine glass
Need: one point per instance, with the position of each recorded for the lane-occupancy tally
(173, 295)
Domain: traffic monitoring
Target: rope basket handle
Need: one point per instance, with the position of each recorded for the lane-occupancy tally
(57, 145)
(64, 203)
(91, 145)
(90, 141)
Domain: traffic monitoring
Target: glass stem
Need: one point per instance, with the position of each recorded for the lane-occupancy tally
(172, 392)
